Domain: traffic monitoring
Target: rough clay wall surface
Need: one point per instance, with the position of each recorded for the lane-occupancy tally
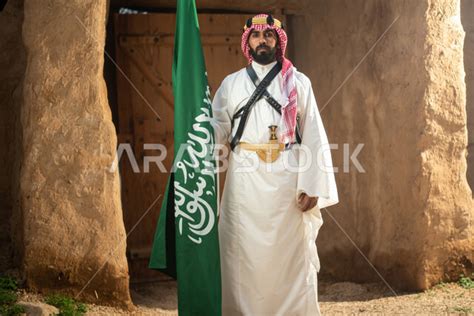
(12, 65)
(411, 211)
(73, 226)
(449, 239)
(467, 19)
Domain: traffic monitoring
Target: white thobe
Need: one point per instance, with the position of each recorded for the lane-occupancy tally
(269, 260)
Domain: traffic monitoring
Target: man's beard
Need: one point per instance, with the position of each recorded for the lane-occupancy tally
(263, 57)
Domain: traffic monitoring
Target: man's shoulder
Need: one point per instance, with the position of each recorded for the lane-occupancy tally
(229, 79)
(302, 78)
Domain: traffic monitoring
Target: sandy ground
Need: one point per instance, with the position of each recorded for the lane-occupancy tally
(335, 299)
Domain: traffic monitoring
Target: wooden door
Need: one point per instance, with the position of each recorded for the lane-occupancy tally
(144, 55)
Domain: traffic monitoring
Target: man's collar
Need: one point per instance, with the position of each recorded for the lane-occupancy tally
(262, 70)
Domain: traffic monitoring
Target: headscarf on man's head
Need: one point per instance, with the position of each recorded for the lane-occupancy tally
(263, 22)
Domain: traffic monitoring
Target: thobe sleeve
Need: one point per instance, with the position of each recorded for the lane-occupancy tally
(316, 176)
(221, 120)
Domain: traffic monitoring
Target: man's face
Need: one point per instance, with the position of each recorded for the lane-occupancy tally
(263, 46)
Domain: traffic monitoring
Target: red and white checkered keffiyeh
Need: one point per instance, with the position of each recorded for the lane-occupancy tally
(289, 96)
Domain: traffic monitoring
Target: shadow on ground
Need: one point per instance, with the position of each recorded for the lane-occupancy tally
(160, 295)
(350, 292)
(163, 294)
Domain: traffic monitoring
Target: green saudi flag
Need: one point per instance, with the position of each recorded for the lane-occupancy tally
(186, 244)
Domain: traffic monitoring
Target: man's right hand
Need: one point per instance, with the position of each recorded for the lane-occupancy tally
(306, 202)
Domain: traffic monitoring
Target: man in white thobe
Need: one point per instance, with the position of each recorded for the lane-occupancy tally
(270, 212)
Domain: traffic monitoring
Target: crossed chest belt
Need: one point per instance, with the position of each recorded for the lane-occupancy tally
(270, 151)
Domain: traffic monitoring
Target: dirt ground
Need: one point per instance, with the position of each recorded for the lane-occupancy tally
(335, 299)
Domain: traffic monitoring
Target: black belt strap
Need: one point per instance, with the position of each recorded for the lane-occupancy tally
(274, 103)
(256, 95)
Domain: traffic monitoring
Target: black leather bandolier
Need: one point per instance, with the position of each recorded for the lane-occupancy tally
(260, 91)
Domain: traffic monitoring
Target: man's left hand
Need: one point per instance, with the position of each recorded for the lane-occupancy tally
(306, 202)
